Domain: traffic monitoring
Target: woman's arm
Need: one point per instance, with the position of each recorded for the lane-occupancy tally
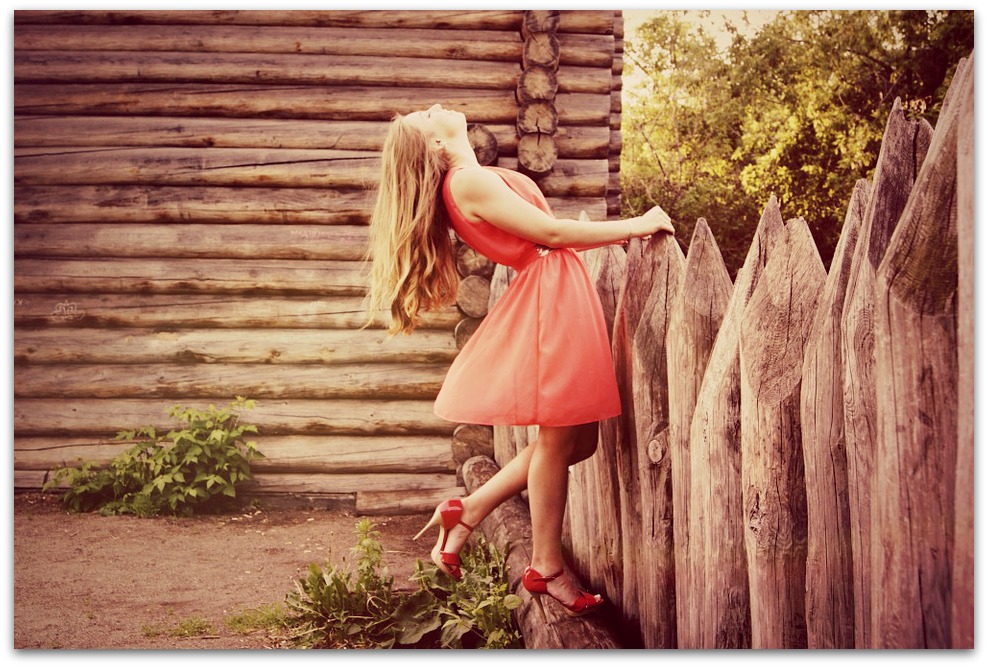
(482, 195)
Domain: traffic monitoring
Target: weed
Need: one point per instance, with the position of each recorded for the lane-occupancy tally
(175, 472)
(267, 617)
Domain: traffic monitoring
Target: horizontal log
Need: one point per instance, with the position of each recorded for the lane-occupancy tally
(282, 454)
(490, 45)
(230, 346)
(189, 241)
(63, 310)
(573, 141)
(348, 483)
(404, 502)
(165, 204)
(539, 20)
(223, 381)
(272, 101)
(107, 417)
(493, 45)
(184, 276)
(193, 166)
(248, 167)
(264, 68)
(599, 22)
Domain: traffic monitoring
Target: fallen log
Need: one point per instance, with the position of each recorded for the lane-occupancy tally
(509, 528)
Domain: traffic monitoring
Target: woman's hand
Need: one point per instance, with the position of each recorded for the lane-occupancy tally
(655, 220)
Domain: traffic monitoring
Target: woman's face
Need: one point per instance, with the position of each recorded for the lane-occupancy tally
(438, 123)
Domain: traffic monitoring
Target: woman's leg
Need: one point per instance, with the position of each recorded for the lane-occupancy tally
(513, 478)
(548, 479)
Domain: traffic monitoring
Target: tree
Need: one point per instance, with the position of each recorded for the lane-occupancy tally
(796, 108)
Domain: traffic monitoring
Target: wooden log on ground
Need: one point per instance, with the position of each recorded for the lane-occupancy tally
(705, 289)
(230, 346)
(904, 146)
(829, 570)
(962, 574)
(33, 417)
(916, 384)
(774, 328)
(716, 527)
(509, 528)
(471, 440)
(216, 241)
(215, 276)
(194, 311)
(652, 559)
(419, 501)
(222, 381)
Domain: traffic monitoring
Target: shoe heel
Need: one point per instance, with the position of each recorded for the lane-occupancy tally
(537, 598)
(434, 521)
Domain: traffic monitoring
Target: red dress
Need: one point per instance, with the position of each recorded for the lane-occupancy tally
(541, 355)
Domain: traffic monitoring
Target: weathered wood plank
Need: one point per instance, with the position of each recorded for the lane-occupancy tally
(217, 241)
(962, 574)
(916, 385)
(183, 311)
(272, 101)
(904, 146)
(241, 276)
(829, 570)
(171, 204)
(223, 381)
(230, 346)
(509, 527)
(650, 554)
(404, 501)
(492, 45)
(774, 328)
(716, 526)
(696, 315)
(266, 68)
(34, 417)
(282, 454)
(252, 167)
(599, 22)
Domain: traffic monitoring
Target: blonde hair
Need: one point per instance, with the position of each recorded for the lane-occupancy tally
(413, 267)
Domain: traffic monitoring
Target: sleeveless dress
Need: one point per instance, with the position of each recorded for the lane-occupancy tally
(541, 355)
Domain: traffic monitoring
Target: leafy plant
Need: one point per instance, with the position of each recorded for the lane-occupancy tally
(176, 472)
(337, 608)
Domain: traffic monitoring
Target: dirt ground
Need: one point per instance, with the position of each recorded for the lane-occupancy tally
(84, 581)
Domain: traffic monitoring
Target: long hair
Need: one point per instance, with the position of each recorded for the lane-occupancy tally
(413, 267)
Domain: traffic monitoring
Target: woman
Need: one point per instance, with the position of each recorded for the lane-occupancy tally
(541, 356)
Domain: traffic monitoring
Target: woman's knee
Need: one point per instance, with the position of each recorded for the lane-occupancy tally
(585, 442)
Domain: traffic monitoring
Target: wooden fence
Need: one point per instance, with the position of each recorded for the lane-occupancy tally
(793, 467)
(191, 193)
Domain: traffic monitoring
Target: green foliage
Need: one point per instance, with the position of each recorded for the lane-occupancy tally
(339, 608)
(796, 108)
(176, 472)
(269, 617)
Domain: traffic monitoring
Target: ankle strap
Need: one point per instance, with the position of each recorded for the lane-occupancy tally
(548, 578)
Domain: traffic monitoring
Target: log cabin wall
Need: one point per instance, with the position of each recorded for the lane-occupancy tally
(192, 190)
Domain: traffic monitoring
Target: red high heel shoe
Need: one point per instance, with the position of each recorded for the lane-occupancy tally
(535, 584)
(447, 516)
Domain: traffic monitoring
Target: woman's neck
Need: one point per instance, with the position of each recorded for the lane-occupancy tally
(461, 153)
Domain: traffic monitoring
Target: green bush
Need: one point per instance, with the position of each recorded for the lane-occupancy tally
(338, 608)
(176, 472)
